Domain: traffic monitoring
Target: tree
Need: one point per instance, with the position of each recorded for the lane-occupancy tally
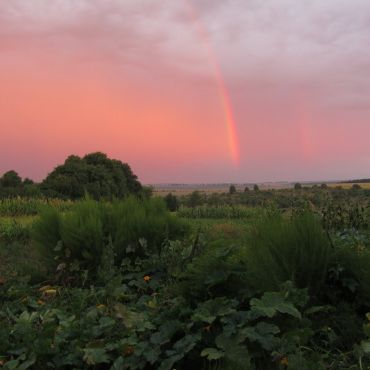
(246, 189)
(147, 191)
(11, 179)
(195, 199)
(323, 186)
(297, 186)
(356, 187)
(171, 202)
(95, 174)
(28, 181)
(232, 189)
(256, 188)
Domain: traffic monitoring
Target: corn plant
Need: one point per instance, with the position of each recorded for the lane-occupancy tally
(14, 207)
(216, 212)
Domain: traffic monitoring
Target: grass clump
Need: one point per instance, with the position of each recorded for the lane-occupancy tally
(279, 250)
(79, 237)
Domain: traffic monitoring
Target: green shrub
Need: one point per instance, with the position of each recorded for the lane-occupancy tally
(279, 250)
(218, 271)
(81, 232)
(46, 232)
(13, 230)
(351, 267)
(129, 222)
(78, 237)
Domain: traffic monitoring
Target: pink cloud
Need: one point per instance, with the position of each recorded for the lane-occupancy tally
(134, 79)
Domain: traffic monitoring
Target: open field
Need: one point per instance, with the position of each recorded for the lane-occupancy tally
(345, 185)
(185, 189)
(182, 189)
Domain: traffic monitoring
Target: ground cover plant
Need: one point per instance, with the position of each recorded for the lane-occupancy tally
(129, 285)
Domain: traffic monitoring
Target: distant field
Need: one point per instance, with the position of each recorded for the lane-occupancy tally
(344, 185)
(181, 189)
(184, 189)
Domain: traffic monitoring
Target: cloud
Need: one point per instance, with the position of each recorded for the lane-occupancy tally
(279, 58)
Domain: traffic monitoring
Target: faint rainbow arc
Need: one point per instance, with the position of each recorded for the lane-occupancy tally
(221, 86)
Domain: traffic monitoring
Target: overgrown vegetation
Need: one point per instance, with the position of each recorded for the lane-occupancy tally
(222, 284)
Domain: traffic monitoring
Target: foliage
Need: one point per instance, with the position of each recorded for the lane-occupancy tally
(217, 271)
(232, 189)
(76, 239)
(216, 212)
(102, 327)
(11, 185)
(126, 285)
(14, 207)
(195, 199)
(172, 202)
(296, 250)
(10, 179)
(339, 216)
(350, 272)
(95, 174)
(13, 230)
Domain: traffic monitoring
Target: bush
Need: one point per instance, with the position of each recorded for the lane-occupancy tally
(78, 238)
(232, 189)
(12, 230)
(218, 271)
(96, 174)
(172, 202)
(351, 273)
(279, 250)
(132, 221)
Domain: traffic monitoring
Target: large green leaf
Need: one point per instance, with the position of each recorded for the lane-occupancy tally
(208, 311)
(93, 356)
(272, 303)
(236, 356)
(212, 354)
(263, 333)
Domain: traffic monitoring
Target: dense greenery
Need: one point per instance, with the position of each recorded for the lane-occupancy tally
(94, 174)
(216, 212)
(12, 185)
(30, 206)
(77, 239)
(285, 199)
(128, 285)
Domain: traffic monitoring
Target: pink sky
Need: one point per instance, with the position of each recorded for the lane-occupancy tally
(150, 82)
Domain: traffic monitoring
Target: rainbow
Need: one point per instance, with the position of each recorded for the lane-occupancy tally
(221, 86)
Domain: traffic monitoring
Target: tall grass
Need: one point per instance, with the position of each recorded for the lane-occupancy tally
(130, 221)
(279, 250)
(354, 267)
(133, 227)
